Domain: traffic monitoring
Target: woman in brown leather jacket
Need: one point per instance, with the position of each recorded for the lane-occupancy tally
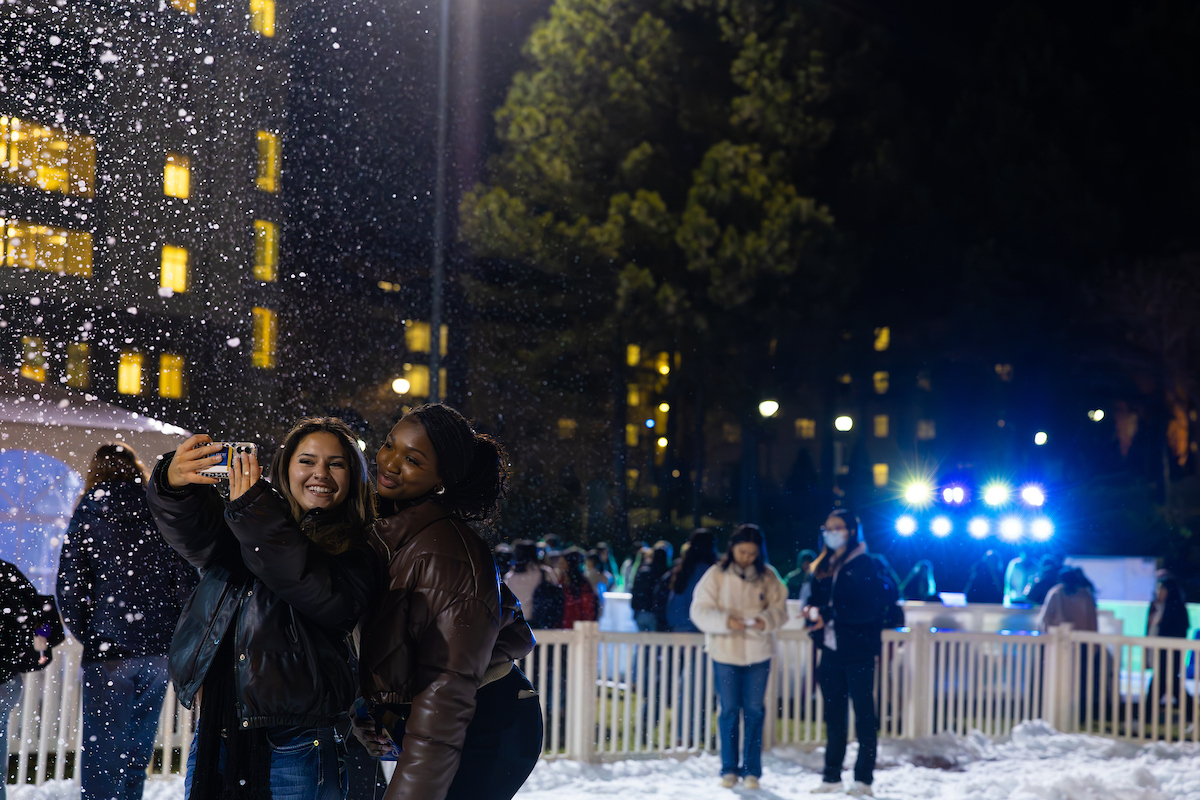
(437, 650)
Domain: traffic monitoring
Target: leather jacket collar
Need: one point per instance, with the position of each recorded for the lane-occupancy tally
(391, 534)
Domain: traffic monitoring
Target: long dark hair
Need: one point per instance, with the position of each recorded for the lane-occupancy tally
(339, 528)
(574, 573)
(473, 466)
(701, 549)
(827, 563)
(747, 533)
(114, 462)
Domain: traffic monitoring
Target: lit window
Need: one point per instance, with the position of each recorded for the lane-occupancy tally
(79, 365)
(879, 473)
(417, 338)
(883, 339)
(268, 161)
(633, 355)
(389, 286)
(881, 381)
(47, 158)
(262, 17)
(30, 246)
(174, 273)
(177, 176)
(170, 376)
(129, 373)
(265, 331)
(926, 430)
(806, 428)
(881, 426)
(417, 376)
(33, 358)
(633, 395)
(1004, 372)
(266, 250)
(567, 428)
(845, 379)
(631, 434)
(186, 6)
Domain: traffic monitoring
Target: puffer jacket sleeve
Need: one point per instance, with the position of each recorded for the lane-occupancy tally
(515, 639)
(774, 616)
(450, 658)
(706, 612)
(73, 588)
(190, 519)
(330, 590)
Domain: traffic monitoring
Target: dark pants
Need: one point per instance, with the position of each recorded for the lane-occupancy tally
(843, 682)
(504, 741)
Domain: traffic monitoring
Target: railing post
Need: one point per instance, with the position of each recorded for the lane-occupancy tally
(1056, 681)
(581, 692)
(920, 716)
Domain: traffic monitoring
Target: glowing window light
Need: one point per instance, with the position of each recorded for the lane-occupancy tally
(129, 373)
(1041, 529)
(171, 369)
(266, 250)
(941, 527)
(1011, 529)
(265, 332)
(906, 525)
(267, 164)
(979, 528)
(174, 271)
(996, 494)
(262, 17)
(33, 359)
(1033, 495)
(177, 176)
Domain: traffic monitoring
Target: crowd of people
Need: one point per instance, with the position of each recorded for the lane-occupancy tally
(331, 607)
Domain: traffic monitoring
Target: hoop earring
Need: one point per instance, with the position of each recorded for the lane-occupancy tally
(441, 491)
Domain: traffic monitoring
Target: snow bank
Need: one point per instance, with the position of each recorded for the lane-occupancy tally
(1035, 763)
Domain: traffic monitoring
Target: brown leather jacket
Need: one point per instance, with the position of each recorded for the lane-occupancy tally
(445, 625)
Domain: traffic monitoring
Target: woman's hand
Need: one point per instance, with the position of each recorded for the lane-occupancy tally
(759, 624)
(244, 472)
(196, 453)
(364, 731)
(812, 618)
(735, 623)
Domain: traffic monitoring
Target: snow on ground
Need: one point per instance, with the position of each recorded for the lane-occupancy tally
(1036, 763)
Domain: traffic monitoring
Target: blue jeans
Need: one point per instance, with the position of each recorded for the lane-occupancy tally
(122, 700)
(310, 766)
(10, 697)
(742, 690)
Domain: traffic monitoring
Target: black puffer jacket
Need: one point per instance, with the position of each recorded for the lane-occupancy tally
(289, 605)
(120, 586)
(855, 603)
(22, 613)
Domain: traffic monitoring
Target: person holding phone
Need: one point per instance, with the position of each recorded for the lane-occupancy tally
(739, 604)
(286, 574)
(438, 649)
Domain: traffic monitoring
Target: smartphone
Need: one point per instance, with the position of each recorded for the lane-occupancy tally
(227, 452)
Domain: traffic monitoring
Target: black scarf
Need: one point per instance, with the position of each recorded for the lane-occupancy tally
(247, 774)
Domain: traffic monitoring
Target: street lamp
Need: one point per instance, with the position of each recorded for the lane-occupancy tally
(401, 386)
(843, 423)
(768, 408)
(1096, 415)
(1039, 438)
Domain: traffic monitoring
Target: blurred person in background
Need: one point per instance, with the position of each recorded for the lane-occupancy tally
(527, 574)
(799, 580)
(644, 592)
(121, 589)
(580, 601)
(502, 555)
(1072, 600)
(608, 565)
(630, 566)
(1168, 617)
(986, 584)
(739, 604)
(1049, 571)
(29, 628)
(600, 578)
(701, 554)
(919, 584)
(845, 619)
(1020, 573)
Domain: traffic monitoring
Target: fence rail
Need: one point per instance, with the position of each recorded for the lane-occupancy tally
(611, 695)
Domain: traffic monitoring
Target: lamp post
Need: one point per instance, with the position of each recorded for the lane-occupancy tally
(438, 271)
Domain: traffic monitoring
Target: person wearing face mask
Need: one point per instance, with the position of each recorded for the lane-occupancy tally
(739, 604)
(845, 616)
(437, 664)
(286, 574)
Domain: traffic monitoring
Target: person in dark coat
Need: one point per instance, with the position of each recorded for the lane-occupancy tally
(645, 585)
(845, 616)
(1168, 617)
(120, 590)
(286, 574)
(986, 584)
(29, 627)
(920, 584)
(1049, 576)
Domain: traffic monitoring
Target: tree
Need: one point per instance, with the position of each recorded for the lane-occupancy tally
(648, 190)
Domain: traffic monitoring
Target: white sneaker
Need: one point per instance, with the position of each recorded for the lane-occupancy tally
(860, 789)
(828, 787)
(750, 782)
(728, 780)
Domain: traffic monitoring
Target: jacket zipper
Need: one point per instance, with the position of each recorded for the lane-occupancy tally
(211, 622)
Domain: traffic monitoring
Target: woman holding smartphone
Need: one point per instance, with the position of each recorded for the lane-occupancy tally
(437, 653)
(286, 574)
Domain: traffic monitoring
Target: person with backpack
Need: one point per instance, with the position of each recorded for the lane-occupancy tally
(29, 628)
(535, 586)
(739, 604)
(845, 618)
(644, 585)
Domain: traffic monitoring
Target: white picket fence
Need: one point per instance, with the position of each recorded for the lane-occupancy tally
(653, 693)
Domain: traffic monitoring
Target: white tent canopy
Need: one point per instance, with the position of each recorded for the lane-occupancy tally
(48, 435)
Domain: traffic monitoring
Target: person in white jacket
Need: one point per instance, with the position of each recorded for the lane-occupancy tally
(739, 604)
